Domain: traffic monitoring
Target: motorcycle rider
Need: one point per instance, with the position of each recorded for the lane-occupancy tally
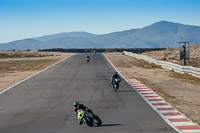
(87, 57)
(115, 76)
(78, 106)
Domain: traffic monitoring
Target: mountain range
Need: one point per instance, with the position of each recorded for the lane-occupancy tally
(158, 35)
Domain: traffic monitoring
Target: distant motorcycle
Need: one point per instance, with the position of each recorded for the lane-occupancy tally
(115, 83)
(87, 60)
(88, 118)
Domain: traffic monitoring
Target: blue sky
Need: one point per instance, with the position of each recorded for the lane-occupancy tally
(21, 19)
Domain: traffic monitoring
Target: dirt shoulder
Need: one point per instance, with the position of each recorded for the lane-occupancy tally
(181, 91)
(16, 66)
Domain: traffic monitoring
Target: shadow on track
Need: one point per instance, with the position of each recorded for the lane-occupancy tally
(126, 91)
(110, 125)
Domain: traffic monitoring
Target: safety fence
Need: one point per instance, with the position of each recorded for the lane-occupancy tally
(168, 65)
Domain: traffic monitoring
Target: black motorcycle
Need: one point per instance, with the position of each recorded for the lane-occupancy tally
(115, 83)
(87, 59)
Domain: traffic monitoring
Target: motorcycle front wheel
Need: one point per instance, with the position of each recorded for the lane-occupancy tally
(116, 87)
(89, 122)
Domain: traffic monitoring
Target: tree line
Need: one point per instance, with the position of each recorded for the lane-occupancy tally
(101, 50)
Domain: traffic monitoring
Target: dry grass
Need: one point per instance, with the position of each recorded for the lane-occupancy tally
(25, 65)
(173, 55)
(17, 65)
(129, 63)
(186, 78)
(19, 61)
(23, 54)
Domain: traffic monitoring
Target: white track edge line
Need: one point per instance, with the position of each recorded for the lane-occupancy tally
(175, 117)
(184, 123)
(166, 120)
(4, 90)
(165, 106)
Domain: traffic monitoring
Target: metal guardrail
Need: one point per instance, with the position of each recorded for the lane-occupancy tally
(168, 65)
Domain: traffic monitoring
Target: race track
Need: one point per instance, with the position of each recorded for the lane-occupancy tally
(44, 103)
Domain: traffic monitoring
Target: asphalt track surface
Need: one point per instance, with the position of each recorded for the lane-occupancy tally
(44, 103)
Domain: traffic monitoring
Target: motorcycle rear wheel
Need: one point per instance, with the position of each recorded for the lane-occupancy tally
(99, 122)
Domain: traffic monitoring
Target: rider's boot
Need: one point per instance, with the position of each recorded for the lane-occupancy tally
(80, 122)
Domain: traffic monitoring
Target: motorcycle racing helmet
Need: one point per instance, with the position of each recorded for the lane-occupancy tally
(115, 73)
(76, 104)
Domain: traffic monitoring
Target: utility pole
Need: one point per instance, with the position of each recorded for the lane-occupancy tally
(184, 50)
(185, 53)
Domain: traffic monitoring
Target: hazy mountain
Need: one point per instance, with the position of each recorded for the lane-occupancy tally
(21, 44)
(157, 35)
(80, 34)
(160, 34)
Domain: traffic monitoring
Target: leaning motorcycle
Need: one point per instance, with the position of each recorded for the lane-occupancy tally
(115, 83)
(88, 118)
(87, 60)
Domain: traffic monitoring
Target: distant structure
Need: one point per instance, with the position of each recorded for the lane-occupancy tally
(185, 52)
